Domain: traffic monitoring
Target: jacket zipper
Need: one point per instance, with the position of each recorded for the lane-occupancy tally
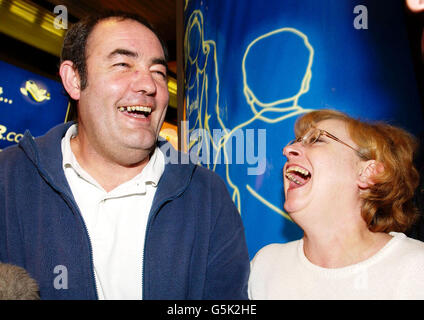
(149, 223)
(150, 220)
(73, 208)
(76, 211)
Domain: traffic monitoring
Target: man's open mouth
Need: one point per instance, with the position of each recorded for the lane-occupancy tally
(136, 111)
(300, 176)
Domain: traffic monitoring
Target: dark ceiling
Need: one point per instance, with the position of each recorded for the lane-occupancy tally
(160, 13)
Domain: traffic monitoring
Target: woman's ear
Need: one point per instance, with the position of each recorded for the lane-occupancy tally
(70, 79)
(368, 171)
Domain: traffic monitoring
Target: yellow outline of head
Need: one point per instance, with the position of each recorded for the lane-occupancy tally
(250, 96)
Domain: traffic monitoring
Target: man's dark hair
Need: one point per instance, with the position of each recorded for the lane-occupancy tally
(75, 42)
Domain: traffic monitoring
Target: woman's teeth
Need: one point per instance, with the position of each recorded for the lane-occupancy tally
(291, 177)
(298, 175)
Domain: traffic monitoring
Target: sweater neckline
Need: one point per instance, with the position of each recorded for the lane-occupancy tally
(353, 268)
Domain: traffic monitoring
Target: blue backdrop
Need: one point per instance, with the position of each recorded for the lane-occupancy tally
(252, 67)
(28, 101)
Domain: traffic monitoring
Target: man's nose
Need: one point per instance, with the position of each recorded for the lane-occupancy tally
(143, 82)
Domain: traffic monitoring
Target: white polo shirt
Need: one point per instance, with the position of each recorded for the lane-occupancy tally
(116, 222)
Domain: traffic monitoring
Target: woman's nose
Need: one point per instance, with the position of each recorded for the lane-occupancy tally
(292, 150)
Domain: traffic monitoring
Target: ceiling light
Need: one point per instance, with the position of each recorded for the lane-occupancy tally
(24, 10)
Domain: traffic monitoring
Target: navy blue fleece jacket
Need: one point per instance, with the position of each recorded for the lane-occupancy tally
(194, 249)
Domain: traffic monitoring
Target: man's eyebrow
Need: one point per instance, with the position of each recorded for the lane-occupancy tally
(123, 52)
(134, 54)
(160, 61)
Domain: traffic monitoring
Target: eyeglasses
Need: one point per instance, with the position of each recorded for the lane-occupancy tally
(314, 134)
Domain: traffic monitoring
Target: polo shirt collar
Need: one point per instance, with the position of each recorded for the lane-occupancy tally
(151, 173)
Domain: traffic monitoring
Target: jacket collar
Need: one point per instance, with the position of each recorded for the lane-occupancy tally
(176, 176)
(46, 154)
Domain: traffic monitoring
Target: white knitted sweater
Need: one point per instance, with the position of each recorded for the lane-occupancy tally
(281, 271)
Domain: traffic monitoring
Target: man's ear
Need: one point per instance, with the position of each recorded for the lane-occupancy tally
(368, 171)
(70, 79)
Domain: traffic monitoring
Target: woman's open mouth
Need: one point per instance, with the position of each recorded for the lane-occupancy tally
(297, 176)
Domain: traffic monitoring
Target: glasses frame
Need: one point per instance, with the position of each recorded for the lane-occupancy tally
(302, 140)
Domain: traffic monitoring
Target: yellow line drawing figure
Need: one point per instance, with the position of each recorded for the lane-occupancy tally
(202, 73)
(290, 101)
(197, 54)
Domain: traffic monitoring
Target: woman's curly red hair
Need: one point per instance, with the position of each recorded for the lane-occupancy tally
(387, 204)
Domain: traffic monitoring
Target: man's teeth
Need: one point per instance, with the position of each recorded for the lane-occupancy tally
(135, 108)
